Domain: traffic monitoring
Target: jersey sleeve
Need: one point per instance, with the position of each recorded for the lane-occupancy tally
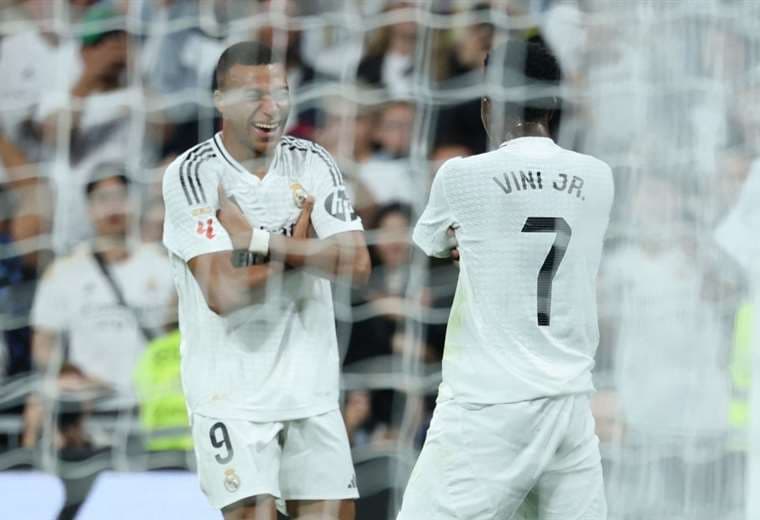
(333, 211)
(49, 310)
(431, 231)
(190, 225)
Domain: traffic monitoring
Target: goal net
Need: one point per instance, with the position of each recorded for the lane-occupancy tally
(665, 92)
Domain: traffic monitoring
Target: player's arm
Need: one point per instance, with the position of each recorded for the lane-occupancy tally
(342, 255)
(192, 232)
(435, 231)
(227, 285)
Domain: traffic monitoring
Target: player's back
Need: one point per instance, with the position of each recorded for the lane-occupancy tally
(531, 219)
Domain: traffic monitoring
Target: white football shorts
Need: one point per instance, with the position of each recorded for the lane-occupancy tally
(303, 459)
(480, 462)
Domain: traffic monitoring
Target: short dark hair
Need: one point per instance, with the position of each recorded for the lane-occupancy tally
(393, 207)
(528, 64)
(243, 53)
(103, 172)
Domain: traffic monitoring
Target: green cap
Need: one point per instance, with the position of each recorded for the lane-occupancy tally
(99, 21)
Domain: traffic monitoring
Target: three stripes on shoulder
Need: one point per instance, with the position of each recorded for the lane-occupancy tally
(188, 173)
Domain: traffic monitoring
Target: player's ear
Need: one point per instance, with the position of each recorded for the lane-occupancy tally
(485, 113)
(219, 100)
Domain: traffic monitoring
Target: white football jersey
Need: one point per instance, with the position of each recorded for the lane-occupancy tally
(278, 359)
(530, 219)
(104, 337)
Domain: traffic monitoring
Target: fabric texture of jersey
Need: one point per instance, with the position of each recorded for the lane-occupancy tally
(278, 359)
(530, 218)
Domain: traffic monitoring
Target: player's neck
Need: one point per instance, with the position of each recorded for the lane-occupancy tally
(528, 130)
(255, 163)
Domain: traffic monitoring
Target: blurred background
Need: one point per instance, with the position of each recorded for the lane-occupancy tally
(97, 97)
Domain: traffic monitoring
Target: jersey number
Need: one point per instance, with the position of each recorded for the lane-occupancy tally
(549, 268)
(220, 437)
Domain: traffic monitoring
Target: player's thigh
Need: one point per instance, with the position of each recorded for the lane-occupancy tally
(572, 487)
(322, 509)
(316, 460)
(577, 495)
(236, 460)
(477, 462)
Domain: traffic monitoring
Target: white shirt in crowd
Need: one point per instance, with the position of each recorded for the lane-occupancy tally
(32, 66)
(530, 219)
(390, 180)
(274, 360)
(104, 338)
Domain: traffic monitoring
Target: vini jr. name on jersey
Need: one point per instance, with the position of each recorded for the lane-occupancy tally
(511, 182)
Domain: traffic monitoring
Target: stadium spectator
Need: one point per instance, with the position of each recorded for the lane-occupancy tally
(99, 119)
(357, 412)
(393, 134)
(389, 59)
(333, 49)
(152, 220)
(459, 67)
(31, 65)
(107, 298)
(378, 342)
(100, 125)
(463, 58)
(388, 175)
(177, 65)
(23, 257)
(163, 411)
(391, 253)
(345, 130)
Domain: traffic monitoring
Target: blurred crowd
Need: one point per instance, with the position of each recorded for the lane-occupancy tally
(99, 95)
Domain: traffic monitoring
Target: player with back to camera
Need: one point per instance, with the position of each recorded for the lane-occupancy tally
(513, 415)
(259, 350)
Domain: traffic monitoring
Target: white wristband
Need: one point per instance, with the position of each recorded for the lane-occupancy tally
(259, 242)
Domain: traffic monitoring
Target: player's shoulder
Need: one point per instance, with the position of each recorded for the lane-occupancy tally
(588, 161)
(299, 144)
(204, 155)
(305, 148)
(455, 166)
(302, 152)
(193, 172)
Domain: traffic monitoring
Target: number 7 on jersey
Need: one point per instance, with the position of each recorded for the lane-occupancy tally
(549, 268)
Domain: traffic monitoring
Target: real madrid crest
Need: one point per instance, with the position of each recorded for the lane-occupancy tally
(231, 480)
(299, 194)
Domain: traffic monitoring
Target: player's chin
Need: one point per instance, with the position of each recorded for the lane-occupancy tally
(264, 140)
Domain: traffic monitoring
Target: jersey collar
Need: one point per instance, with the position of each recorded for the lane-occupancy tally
(227, 156)
(531, 141)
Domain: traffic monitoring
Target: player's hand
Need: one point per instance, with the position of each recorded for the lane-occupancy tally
(233, 220)
(303, 224)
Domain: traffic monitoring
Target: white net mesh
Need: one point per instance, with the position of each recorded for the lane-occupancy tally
(663, 91)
